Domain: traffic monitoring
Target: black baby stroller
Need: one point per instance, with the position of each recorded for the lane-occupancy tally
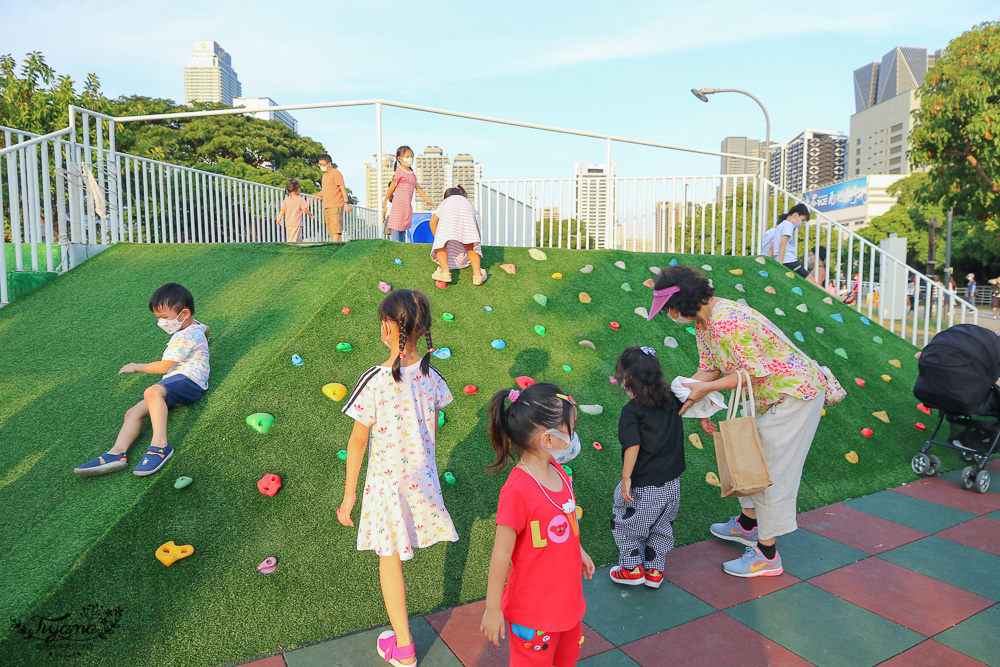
(957, 375)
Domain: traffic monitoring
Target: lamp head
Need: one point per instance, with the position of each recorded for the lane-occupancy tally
(703, 93)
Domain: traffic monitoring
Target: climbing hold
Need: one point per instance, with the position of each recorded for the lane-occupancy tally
(802, 308)
(567, 470)
(615, 326)
(335, 391)
(789, 274)
(620, 264)
(584, 297)
(887, 378)
(612, 379)
(760, 260)
(736, 272)
(706, 267)
(877, 339)
(541, 299)
(840, 352)
(670, 341)
(837, 317)
(655, 270)
(865, 321)
(779, 311)
(799, 337)
(170, 553)
(770, 290)
(851, 456)
(642, 312)
(268, 565)
(626, 287)
(867, 432)
(344, 347)
(182, 482)
(859, 382)
(895, 362)
(440, 284)
(923, 408)
(488, 309)
(592, 409)
(763, 274)
(342, 455)
(740, 288)
(509, 268)
(598, 446)
(260, 421)
(470, 389)
(648, 282)
(920, 426)
(820, 330)
(539, 329)
(712, 479)
(296, 360)
(695, 440)
(443, 353)
(691, 330)
(448, 477)
(797, 290)
(587, 269)
(881, 414)
(742, 302)
(557, 276)
(269, 484)
(523, 381)
(398, 261)
(384, 286)
(535, 253)
(498, 344)
(822, 413)
(828, 301)
(587, 343)
(567, 368)
(441, 418)
(345, 311)
(447, 317)
(673, 262)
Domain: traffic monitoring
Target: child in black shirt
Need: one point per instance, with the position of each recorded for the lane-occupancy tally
(647, 500)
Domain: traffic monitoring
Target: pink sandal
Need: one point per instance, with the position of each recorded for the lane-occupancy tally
(392, 654)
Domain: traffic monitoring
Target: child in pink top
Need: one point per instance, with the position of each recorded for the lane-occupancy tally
(292, 209)
(401, 188)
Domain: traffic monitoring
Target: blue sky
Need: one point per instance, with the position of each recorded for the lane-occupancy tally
(618, 68)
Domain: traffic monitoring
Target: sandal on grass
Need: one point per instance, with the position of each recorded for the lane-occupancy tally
(102, 465)
(153, 460)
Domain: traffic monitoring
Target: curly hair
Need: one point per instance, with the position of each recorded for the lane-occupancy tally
(642, 374)
(695, 290)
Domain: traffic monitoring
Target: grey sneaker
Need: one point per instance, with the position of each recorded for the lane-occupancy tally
(753, 564)
(734, 532)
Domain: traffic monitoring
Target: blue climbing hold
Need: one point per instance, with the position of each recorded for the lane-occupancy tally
(296, 360)
(488, 309)
(443, 353)
(399, 261)
(673, 262)
(865, 321)
(799, 337)
(498, 344)
(797, 290)
(837, 317)
(763, 274)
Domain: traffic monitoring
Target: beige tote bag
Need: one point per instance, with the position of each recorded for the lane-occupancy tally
(742, 471)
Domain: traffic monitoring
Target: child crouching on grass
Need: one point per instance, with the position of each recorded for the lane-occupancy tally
(185, 378)
(647, 500)
(537, 534)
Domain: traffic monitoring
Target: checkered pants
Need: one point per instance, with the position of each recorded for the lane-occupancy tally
(643, 529)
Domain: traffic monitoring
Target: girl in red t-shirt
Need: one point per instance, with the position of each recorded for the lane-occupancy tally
(537, 535)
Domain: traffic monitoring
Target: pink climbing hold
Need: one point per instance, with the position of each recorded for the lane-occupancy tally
(269, 484)
(598, 446)
(268, 565)
(612, 379)
(384, 286)
(345, 311)
(770, 290)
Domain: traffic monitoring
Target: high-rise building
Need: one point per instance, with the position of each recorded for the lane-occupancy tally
(813, 159)
(209, 75)
(663, 227)
(550, 213)
(433, 170)
(262, 106)
(591, 189)
(371, 179)
(466, 172)
(884, 100)
(735, 166)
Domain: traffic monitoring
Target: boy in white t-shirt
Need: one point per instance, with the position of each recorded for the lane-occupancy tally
(185, 368)
(782, 245)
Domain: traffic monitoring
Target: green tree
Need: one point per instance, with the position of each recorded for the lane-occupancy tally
(909, 218)
(957, 129)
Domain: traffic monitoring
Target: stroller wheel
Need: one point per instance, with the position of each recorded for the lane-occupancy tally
(983, 481)
(935, 466)
(920, 463)
(968, 477)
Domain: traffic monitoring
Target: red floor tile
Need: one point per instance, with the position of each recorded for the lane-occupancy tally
(931, 654)
(715, 639)
(459, 628)
(697, 568)
(943, 492)
(981, 533)
(857, 529)
(993, 464)
(912, 600)
(272, 661)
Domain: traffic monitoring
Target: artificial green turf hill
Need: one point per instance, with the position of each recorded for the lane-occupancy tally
(66, 541)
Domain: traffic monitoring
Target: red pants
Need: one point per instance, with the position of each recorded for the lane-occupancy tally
(536, 648)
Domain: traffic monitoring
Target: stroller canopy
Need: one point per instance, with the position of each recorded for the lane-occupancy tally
(958, 370)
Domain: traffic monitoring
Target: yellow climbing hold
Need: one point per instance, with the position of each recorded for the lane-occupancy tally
(823, 413)
(712, 479)
(696, 441)
(895, 362)
(557, 276)
(736, 272)
(789, 274)
(579, 512)
(851, 456)
(881, 414)
(584, 297)
(887, 378)
(335, 391)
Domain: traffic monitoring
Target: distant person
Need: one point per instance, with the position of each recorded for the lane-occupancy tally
(185, 378)
(292, 209)
(911, 290)
(784, 245)
(401, 189)
(818, 264)
(457, 242)
(995, 297)
(970, 287)
(334, 194)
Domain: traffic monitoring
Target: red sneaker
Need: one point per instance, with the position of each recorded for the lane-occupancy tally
(654, 578)
(635, 577)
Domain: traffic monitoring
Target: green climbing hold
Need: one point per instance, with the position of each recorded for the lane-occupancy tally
(260, 421)
(539, 329)
(691, 330)
(440, 418)
(344, 347)
(541, 299)
(567, 368)
(568, 470)
(182, 482)
(840, 352)
(626, 287)
(342, 455)
(448, 317)
(448, 477)
(877, 339)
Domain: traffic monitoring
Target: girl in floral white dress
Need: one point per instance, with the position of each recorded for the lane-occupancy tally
(396, 405)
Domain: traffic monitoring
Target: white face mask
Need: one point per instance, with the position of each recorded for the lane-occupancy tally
(407, 161)
(569, 451)
(680, 319)
(170, 326)
(384, 332)
(322, 168)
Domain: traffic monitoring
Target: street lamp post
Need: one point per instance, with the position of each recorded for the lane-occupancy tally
(703, 93)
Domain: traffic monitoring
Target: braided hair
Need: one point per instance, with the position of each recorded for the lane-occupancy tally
(411, 311)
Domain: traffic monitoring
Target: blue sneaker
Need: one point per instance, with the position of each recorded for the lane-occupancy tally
(734, 532)
(753, 564)
(102, 465)
(153, 460)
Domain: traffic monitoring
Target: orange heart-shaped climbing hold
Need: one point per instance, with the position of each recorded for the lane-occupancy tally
(851, 456)
(509, 268)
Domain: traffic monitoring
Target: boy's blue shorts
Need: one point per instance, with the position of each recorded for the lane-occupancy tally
(181, 390)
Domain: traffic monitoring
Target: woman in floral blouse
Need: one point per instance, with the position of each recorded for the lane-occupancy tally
(788, 389)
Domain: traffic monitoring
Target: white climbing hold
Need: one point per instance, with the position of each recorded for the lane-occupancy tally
(760, 260)
(742, 302)
(587, 269)
(592, 409)
(642, 312)
(655, 270)
(535, 253)
(706, 267)
(828, 301)
(802, 308)
(670, 341)
(779, 311)
(819, 329)
(620, 264)
(740, 288)
(587, 343)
